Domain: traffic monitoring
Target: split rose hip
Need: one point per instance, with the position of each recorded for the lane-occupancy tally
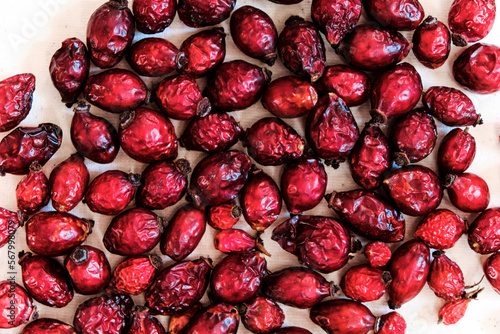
(147, 136)
(56, 233)
(32, 192)
(223, 216)
(451, 312)
(143, 322)
(471, 21)
(16, 99)
(48, 325)
(484, 232)
(457, 151)
(152, 57)
(291, 329)
(179, 321)
(363, 283)
(492, 271)
(237, 241)
(391, 323)
(469, 192)
(377, 253)
(445, 278)
(12, 295)
(89, 269)
(403, 15)
(301, 49)
(271, 141)
(432, 43)
(441, 229)
(69, 69)
(134, 275)
(153, 16)
(196, 13)
(262, 315)
(223, 316)
(9, 223)
(110, 31)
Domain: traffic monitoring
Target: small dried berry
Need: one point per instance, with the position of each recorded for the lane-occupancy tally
(377, 253)
(432, 43)
(153, 57)
(32, 192)
(223, 216)
(153, 16)
(469, 192)
(16, 99)
(134, 275)
(440, 229)
(363, 283)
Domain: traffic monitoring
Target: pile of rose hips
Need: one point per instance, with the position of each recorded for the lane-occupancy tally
(241, 288)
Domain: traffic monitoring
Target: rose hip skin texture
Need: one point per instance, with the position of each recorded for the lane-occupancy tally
(183, 233)
(55, 233)
(153, 57)
(89, 269)
(292, 329)
(400, 15)
(153, 16)
(471, 21)
(179, 287)
(440, 229)
(134, 275)
(363, 283)
(297, 287)
(445, 278)
(321, 243)
(271, 141)
(456, 152)
(477, 70)
(32, 192)
(484, 232)
(451, 312)
(303, 184)
(24, 145)
(391, 323)
(409, 268)
(262, 315)
(110, 31)
(370, 47)
(301, 49)
(48, 325)
(14, 295)
(16, 97)
(469, 193)
(177, 322)
(432, 43)
(223, 216)
(69, 69)
(215, 319)
(147, 136)
(144, 323)
(491, 270)
(201, 13)
(235, 241)
(368, 214)
(377, 253)
(133, 232)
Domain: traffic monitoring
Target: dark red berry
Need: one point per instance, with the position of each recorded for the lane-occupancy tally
(451, 312)
(440, 229)
(456, 152)
(134, 275)
(377, 253)
(492, 271)
(48, 325)
(471, 21)
(223, 216)
(32, 192)
(391, 323)
(16, 99)
(233, 240)
(445, 278)
(144, 323)
(363, 283)
(484, 232)
(262, 315)
(432, 43)
(153, 57)
(200, 13)
(223, 316)
(153, 16)
(469, 192)
(403, 15)
(179, 321)
(13, 296)
(9, 223)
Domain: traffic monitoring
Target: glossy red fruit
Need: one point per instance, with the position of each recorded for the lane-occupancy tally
(152, 57)
(134, 275)
(469, 192)
(336, 18)
(456, 152)
(48, 325)
(391, 323)
(370, 157)
(377, 253)
(343, 316)
(484, 232)
(234, 240)
(199, 13)
(432, 43)
(223, 317)
(202, 53)
(32, 192)
(110, 31)
(163, 184)
(363, 283)
(441, 229)
(262, 315)
(370, 47)
(111, 192)
(133, 232)
(183, 233)
(179, 321)
(260, 200)
(297, 287)
(237, 277)
(223, 216)
(401, 15)
(153, 16)
(321, 243)
(9, 223)
(147, 136)
(179, 287)
(179, 97)
(291, 329)
(409, 268)
(368, 214)
(144, 323)
(303, 184)
(451, 312)
(69, 69)
(445, 278)
(24, 145)
(14, 297)
(301, 49)
(271, 141)
(492, 269)
(16, 98)
(416, 190)
(217, 167)
(471, 21)
(46, 280)
(89, 269)
(56, 233)
(477, 70)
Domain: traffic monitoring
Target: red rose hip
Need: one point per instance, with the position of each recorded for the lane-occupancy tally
(262, 315)
(152, 57)
(440, 229)
(469, 192)
(144, 323)
(134, 275)
(153, 16)
(492, 270)
(223, 316)
(234, 240)
(179, 321)
(401, 15)
(16, 99)
(484, 232)
(363, 283)
(32, 192)
(456, 152)
(199, 13)
(471, 21)
(432, 43)
(12, 294)
(391, 323)
(48, 325)
(377, 253)
(445, 278)
(223, 216)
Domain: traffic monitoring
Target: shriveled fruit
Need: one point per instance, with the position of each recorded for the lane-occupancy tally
(451, 312)
(48, 325)
(144, 323)
(16, 99)
(335, 18)
(134, 275)
(432, 43)
(471, 21)
(491, 269)
(223, 316)
(234, 240)
(179, 321)
(468, 192)
(401, 15)
(364, 283)
(445, 278)
(9, 223)
(484, 232)
(441, 229)
(262, 315)
(223, 216)
(199, 13)
(14, 297)
(153, 16)
(456, 152)
(32, 192)
(377, 253)
(153, 57)
(391, 323)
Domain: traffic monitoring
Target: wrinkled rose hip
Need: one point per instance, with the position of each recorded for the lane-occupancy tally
(400, 15)
(469, 192)
(262, 315)
(456, 152)
(492, 271)
(152, 57)
(441, 229)
(134, 275)
(363, 283)
(223, 316)
(223, 216)
(48, 325)
(9, 223)
(445, 278)
(179, 321)
(16, 98)
(153, 16)
(432, 43)
(12, 294)
(484, 232)
(143, 322)
(471, 21)
(237, 241)
(377, 253)
(32, 192)
(335, 18)
(200, 13)
(391, 323)
(451, 312)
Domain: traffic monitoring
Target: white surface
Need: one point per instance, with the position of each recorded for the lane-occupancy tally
(32, 30)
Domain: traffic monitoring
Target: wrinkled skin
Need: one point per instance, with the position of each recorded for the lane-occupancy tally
(223, 216)
(451, 312)
(445, 278)
(215, 319)
(398, 15)
(153, 57)
(409, 268)
(391, 323)
(89, 269)
(301, 49)
(9, 223)
(203, 13)
(298, 287)
(469, 193)
(450, 106)
(484, 232)
(179, 321)
(321, 243)
(133, 232)
(471, 21)
(368, 214)
(24, 307)
(343, 316)
(183, 233)
(16, 98)
(456, 152)
(441, 229)
(363, 283)
(110, 31)
(377, 253)
(48, 325)
(179, 287)
(134, 275)
(370, 47)
(144, 323)
(32, 192)
(262, 315)
(153, 16)
(492, 271)
(292, 329)
(432, 43)
(235, 241)
(24, 145)
(56, 233)
(69, 69)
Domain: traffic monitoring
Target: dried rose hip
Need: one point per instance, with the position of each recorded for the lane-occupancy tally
(391, 323)
(335, 18)
(153, 57)
(440, 229)
(363, 283)
(153, 16)
(183, 233)
(377, 253)
(262, 315)
(254, 33)
(371, 47)
(56, 233)
(179, 287)
(223, 317)
(492, 271)
(301, 49)
(477, 70)
(291, 329)
(147, 136)
(24, 145)
(484, 232)
(32, 192)
(432, 43)
(144, 323)
(15, 299)
(89, 269)
(409, 268)
(401, 15)
(445, 278)
(48, 325)
(110, 192)
(69, 69)
(237, 241)
(179, 321)
(46, 280)
(469, 192)
(134, 275)
(456, 152)
(223, 216)
(9, 223)
(303, 184)
(16, 97)
(471, 21)
(271, 141)
(451, 312)
(368, 214)
(110, 31)
(199, 13)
